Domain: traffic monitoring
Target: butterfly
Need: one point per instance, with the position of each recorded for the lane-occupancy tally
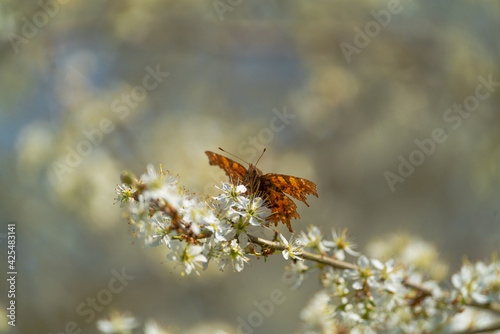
(271, 187)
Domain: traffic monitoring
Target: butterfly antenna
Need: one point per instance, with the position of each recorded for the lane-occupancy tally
(237, 157)
(265, 148)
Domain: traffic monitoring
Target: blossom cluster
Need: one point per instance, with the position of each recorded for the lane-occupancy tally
(388, 297)
(196, 230)
(373, 298)
(370, 296)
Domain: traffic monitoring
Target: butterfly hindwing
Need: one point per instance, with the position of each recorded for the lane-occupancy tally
(282, 207)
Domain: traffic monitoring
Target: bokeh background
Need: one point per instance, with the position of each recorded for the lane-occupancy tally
(233, 67)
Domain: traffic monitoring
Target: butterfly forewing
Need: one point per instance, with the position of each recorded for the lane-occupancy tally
(235, 171)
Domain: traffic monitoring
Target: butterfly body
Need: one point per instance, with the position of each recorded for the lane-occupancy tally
(272, 187)
(252, 178)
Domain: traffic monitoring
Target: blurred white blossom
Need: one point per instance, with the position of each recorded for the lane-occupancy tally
(152, 327)
(117, 323)
(317, 316)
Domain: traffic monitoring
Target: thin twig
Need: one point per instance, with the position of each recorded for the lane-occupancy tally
(492, 307)
(306, 255)
(425, 291)
(330, 261)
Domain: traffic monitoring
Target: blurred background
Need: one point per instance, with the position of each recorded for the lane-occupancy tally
(337, 91)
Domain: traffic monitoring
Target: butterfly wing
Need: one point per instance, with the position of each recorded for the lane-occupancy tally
(296, 187)
(282, 207)
(234, 170)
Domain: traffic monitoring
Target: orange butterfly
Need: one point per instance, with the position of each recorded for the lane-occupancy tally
(271, 187)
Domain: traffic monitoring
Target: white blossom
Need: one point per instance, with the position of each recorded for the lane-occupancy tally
(293, 248)
(189, 256)
(124, 195)
(313, 239)
(341, 245)
(253, 210)
(236, 254)
(364, 275)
